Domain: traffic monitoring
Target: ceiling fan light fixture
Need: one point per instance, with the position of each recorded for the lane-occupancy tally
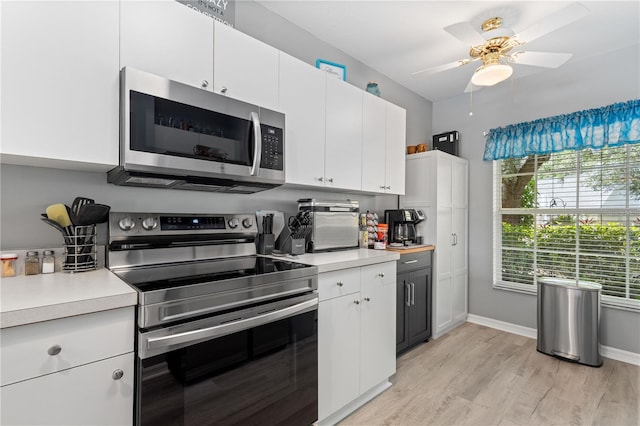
(489, 75)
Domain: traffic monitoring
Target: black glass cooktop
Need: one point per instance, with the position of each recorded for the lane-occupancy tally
(166, 276)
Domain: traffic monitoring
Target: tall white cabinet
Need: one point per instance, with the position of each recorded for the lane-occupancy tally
(437, 184)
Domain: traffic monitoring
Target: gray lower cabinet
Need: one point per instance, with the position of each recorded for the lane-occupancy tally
(413, 300)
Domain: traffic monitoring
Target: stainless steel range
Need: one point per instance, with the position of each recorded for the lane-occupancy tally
(224, 336)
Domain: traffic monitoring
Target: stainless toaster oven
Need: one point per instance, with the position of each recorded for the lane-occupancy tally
(334, 224)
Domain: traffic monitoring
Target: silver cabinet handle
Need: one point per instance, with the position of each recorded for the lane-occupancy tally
(383, 187)
(257, 143)
(381, 275)
(453, 239)
(407, 292)
(223, 90)
(388, 187)
(320, 179)
(357, 302)
(330, 180)
(117, 374)
(54, 350)
(413, 294)
(205, 83)
(340, 283)
(408, 262)
(367, 299)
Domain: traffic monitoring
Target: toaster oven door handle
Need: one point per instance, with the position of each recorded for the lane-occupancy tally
(257, 143)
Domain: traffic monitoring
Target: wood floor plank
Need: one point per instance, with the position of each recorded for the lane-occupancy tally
(480, 376)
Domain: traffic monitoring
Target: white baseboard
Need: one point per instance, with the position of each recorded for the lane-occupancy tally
(532, 333)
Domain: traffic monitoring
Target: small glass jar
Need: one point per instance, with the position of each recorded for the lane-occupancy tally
(48, 262)
(8, 264)
(32, 263)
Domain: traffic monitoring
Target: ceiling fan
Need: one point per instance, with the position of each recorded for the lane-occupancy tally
(497, 47)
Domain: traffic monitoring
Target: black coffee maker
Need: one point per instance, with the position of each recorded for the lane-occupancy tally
(402, 225)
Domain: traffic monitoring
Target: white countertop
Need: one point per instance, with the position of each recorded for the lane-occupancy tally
(336, 260)
(35, 298)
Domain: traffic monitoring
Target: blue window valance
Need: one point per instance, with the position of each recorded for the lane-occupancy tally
(612, 125)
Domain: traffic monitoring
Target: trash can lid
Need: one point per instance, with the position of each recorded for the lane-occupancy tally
(585, 285)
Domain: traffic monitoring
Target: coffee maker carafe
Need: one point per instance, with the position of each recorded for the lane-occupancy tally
(402, 225)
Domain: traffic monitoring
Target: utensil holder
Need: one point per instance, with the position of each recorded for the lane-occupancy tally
(80, 252)
(265, 243)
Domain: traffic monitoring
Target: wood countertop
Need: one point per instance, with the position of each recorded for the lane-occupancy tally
(408, 250)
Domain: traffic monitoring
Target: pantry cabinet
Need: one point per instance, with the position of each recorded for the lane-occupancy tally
(80, 370)
(437, 183)
(59, 83)
(245, 68)
(356, 335)
(169, 39)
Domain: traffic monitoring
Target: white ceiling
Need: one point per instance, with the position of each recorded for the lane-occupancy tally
(397, 37)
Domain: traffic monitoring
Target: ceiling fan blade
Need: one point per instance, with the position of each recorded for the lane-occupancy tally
(465, 32)
(440, 68)
(540, 59)
(552, 22)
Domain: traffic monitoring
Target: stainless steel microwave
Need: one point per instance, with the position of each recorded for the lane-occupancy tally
(173, 135)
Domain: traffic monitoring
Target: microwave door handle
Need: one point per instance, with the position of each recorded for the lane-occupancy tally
(257, 144)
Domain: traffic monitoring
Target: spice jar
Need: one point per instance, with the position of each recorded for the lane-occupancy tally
(48, 262)
(32, 263)
(8, 264)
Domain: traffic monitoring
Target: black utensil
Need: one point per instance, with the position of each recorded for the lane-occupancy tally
(77, 205)
(91, 214)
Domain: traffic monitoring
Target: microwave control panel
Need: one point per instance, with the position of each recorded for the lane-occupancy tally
(272, 148)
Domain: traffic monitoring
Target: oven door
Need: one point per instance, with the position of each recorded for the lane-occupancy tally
(253, 366)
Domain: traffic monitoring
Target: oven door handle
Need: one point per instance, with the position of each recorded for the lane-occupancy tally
(155, 343)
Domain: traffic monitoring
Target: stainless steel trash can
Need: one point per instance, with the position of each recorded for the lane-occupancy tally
(569, 319)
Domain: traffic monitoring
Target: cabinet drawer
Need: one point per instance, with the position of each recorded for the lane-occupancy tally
(338, 283)
(91, 394)
(382, 272)
(414, 261)
(36, 349)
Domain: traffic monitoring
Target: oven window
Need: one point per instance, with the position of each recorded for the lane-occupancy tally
(166, 127)
(264, 375)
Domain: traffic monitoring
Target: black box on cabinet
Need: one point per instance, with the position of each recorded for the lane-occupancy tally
(447, 142)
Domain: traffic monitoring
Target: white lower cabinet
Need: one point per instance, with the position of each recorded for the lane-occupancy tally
(73, 371)
(356, 337)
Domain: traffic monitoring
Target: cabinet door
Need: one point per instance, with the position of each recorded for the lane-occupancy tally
(343, 164)
(420, 311)
(338, 353)
(443, 289)
(302, 99)
(459, 257)
(60, 97)
(444, 181)
(396, 137)
(378, 332)
(419, 185)
(169, 39)
(403, 292)
(85, 395)
(244, 68)
(373, 143)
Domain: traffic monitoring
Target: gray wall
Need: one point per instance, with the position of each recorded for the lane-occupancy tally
(27, 191)
(592, 83)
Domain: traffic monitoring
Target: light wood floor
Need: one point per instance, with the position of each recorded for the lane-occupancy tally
(480, 376)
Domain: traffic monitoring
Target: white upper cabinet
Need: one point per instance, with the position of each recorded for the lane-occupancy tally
(302, 100)
(343, 166)
(60, 98)
(169, 39)
(396, 136)
(245, 68)
(383, 146)
(373, 143)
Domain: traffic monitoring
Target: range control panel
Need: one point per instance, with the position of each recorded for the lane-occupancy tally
(124, 225)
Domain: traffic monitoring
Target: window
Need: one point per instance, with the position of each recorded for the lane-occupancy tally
(570, 214)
